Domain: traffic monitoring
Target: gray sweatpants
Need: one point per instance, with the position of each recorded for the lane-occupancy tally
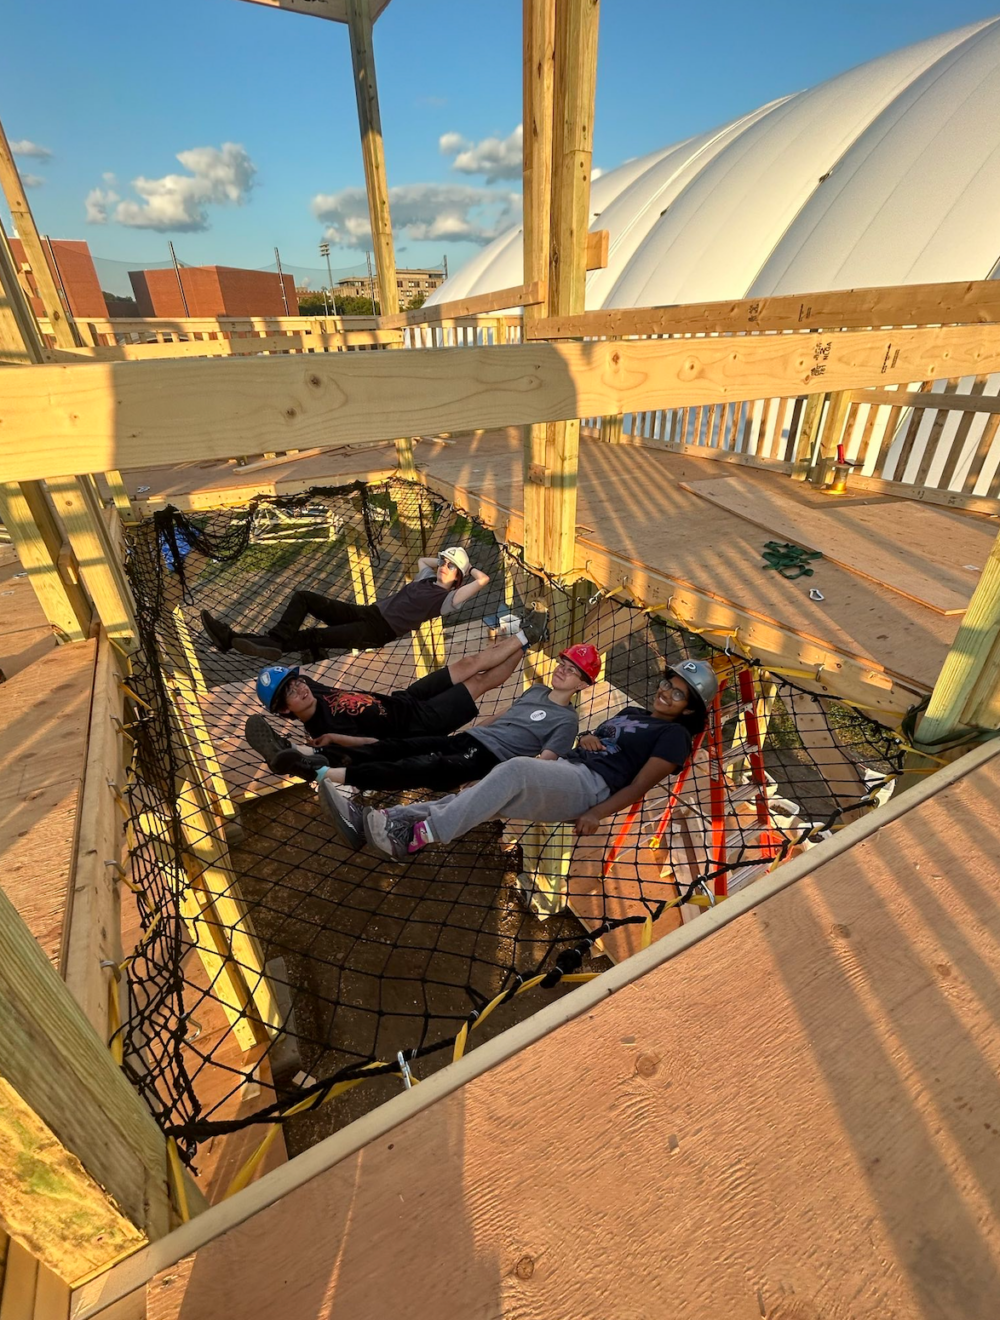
(523, 788)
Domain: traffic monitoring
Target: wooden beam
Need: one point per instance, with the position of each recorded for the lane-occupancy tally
(963, 403)
(966, 690)
(90, 1162)
(38, 538)
(78, 505)
(20, 340)
(574, 85)
(139, 415)
(93, 920)
(529, 294)
(359, 15)
(973, 303)
(232, 347)
(27, 232)
(539, 23)
(598, 245)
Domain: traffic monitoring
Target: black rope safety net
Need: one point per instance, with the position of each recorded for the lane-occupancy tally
(381, 972)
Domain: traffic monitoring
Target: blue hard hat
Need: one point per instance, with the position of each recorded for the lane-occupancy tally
(271, 682)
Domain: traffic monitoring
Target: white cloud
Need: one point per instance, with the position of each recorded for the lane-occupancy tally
(494, 158)
(444, 212)
(97, 203)
(110, 178)
(32, 149)
(219, 176)
(32, 180)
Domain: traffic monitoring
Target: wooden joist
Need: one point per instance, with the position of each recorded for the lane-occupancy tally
(100, 417)
(976, 302)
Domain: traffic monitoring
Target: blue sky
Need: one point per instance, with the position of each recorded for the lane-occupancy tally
(129, 84)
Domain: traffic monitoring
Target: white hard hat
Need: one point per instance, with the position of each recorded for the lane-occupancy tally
(458, 558)
(700, 677)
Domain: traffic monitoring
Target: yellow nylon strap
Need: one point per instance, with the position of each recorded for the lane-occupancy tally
(176, 1172)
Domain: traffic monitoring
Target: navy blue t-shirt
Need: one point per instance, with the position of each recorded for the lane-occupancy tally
(630, 739)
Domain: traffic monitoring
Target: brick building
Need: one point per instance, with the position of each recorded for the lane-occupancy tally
(212, 291)
(73, 270)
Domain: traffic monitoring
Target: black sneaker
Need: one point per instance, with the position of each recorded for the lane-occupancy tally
(343, 813)
(260, 645)
(302, 765)
(536, 625)
(219, 632)
(262, 738)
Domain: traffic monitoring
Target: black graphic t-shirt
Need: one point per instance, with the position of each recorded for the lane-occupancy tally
(359, 714)
(631, 738)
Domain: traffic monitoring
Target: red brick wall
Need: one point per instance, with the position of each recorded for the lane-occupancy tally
(79, 278)
(212, 291)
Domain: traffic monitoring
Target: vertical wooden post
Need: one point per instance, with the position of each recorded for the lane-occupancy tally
(78, 504)
(27, 232)
(574, 83)
(85, 1163)
(611, 429)
(539, 18)
(830, 436)
(967, 692)
(359, 22)
(429, 650)
(362, 577)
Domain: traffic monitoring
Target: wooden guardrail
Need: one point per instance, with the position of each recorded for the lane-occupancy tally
(938, 443)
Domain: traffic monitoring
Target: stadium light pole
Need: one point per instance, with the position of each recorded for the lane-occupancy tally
(324, 251)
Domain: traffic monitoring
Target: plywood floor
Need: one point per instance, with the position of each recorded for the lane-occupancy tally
(25, 633)
(794, 1119)
(44, 721)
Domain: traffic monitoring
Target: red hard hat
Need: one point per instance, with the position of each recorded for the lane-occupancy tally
(587, 659)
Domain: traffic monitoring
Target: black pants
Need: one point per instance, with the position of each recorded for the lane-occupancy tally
(348, 627)
(441, 763)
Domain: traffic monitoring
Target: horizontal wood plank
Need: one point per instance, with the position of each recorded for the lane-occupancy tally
(519, 295)
(57, 420)
(963, 403)
(961, 303)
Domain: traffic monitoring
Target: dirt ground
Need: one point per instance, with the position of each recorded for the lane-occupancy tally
(382, 957)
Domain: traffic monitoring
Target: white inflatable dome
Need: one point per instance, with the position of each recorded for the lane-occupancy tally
(886, 174)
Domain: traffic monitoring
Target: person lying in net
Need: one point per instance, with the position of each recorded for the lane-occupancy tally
(443, 584)
(610, 769)
(540, 722)
(336, 720)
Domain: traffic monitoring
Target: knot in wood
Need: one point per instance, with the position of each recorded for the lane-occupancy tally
(646, 1065)
(525, 1267)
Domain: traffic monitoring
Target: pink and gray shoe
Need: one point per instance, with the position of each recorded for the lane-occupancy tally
(395, 837)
